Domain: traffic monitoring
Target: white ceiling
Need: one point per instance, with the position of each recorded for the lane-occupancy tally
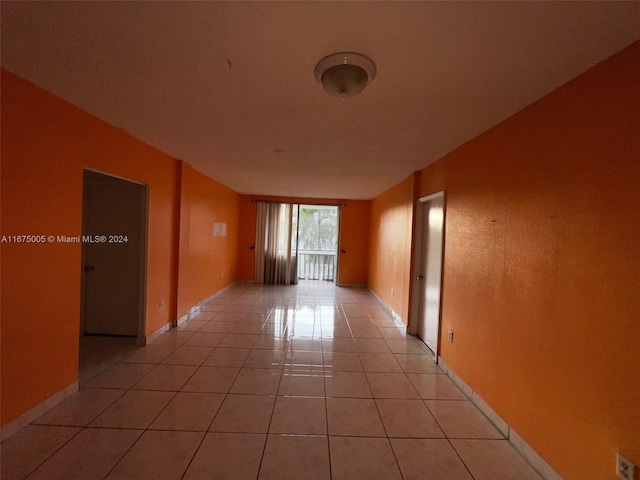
(229, 87)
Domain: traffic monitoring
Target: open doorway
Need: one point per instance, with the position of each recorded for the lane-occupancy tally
(427, 283)
(114, 240)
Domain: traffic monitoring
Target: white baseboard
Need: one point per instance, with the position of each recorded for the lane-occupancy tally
(192, 312)
(461, 384)
(490, 413)
(181, 320)
(142, 341)
(390, 310)
(37, 411)
(197, 309)
(528, 453)
(42, 408)
(532, 456)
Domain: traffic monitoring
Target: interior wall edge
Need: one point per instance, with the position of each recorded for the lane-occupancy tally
(390, 310)
(527, 452)
(14, 426)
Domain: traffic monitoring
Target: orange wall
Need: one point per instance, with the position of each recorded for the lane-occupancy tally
(390, 246)
(354, 229)
(541, 267)
(207, 264)
(246, 238)
(46, 142)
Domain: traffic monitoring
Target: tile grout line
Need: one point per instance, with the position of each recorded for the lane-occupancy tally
(55, 451)
(207, 431)
(446, 436)
(375, 402)
(266, 437)
(87, 426)
(288, 347)
(146, 429)
(326, 409)
(459, 456)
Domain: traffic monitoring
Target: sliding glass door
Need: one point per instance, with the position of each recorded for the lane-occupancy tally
(317, 242)
(296, 241)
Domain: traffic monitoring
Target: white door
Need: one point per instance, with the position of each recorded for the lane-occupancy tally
(113, 269)
(430, 272)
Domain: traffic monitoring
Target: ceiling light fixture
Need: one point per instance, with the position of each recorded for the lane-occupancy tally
(345, 74)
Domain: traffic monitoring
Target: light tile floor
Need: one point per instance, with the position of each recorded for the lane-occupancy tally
(304, 382)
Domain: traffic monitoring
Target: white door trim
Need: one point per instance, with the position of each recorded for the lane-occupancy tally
(142, 267)
(417, 262)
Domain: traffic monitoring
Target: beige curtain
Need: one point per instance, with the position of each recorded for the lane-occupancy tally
(261, 222)
(274, 262)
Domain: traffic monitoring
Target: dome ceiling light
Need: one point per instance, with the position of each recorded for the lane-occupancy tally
(345, 74)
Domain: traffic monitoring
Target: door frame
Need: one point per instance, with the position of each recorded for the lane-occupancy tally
(417, 263)
(321, 206)
(142, 267)
(336, 277)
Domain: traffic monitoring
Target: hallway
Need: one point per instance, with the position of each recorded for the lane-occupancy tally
(309, 381)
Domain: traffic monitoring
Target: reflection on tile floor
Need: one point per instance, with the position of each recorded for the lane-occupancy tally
(308, 381)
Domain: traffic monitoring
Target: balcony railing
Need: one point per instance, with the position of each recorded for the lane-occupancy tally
(316, 265)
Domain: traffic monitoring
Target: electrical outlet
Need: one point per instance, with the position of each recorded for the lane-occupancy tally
(221, 274)
(161, 303)
(624, 468)
(450, 336)
(393, 292)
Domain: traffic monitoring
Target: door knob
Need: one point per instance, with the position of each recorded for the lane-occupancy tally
(420, 277)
